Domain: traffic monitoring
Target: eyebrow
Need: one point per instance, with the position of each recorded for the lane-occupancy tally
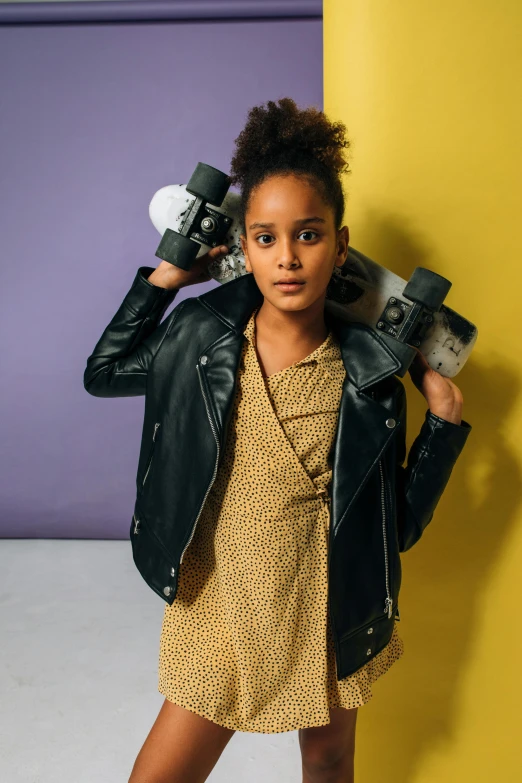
(300, 222)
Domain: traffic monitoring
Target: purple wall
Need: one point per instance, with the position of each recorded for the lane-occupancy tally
(94, 119)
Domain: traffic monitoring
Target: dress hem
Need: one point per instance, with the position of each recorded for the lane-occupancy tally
(179, 703)
(223, 723)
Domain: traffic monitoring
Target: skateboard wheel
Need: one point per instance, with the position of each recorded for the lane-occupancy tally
(427, 288)
(177, 249)
(208, 183)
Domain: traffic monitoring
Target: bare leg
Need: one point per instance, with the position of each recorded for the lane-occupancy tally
(328, 752)
(181, 747)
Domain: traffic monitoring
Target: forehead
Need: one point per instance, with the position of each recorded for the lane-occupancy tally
(288, 197)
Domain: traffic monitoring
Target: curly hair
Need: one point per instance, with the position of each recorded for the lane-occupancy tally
(283, 139)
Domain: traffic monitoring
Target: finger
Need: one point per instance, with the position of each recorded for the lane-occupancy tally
(218, 251)
(211, 255)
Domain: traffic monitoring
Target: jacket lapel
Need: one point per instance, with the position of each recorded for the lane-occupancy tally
(361, 437)
(362, 432)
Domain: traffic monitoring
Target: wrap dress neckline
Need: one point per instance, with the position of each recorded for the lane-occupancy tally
(271, 383)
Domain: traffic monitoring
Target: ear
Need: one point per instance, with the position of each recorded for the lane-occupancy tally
(242, 239)
(343, 238)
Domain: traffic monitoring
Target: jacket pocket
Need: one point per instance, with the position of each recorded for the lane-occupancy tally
(368, 628)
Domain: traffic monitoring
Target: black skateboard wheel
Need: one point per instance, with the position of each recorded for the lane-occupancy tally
(208, 183)
(427, 288)
(177, 249)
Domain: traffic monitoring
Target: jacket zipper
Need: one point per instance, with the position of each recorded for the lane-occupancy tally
(397, 615)
(388, 603)
(215, 466)
(156, 426)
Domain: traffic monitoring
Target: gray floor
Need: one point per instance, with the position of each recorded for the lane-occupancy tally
(78, 676)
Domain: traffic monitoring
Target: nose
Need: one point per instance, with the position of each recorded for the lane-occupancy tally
(287, 256)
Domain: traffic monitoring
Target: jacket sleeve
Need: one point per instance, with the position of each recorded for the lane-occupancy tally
(420, 484)
(119, 362)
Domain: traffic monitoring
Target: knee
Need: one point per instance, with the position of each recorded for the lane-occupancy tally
(325, 762)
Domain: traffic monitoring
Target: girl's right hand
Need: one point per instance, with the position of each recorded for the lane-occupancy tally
(167, 275)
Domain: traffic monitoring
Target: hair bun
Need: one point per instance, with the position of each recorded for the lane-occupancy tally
(283, 130)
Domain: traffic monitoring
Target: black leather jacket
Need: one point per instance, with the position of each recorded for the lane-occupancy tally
(186, 366)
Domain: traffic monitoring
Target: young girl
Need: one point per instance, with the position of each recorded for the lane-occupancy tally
(272, 502)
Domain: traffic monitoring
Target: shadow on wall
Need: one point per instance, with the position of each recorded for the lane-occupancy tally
(446, 573)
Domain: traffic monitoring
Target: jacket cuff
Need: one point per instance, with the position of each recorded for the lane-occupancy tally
(464, 426)
(445, 439)
(145, 298)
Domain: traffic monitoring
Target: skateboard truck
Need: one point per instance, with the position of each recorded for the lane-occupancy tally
(201, 224)
(408, 321)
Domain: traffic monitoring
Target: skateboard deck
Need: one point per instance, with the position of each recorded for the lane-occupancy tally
(360, 291)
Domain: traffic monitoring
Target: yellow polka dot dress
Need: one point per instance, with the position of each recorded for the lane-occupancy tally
(247, 642)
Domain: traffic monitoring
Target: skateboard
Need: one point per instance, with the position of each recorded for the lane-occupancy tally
(194, 217)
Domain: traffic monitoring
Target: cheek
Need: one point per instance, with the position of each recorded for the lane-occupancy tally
(260, 257)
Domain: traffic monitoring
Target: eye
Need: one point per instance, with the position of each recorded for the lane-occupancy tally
(308, 231)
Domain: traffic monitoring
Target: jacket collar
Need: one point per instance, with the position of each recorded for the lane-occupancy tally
(366, 355)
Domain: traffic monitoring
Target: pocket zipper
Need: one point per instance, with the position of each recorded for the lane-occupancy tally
(156, 427)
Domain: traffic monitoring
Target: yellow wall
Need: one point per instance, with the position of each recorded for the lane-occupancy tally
(431, 96)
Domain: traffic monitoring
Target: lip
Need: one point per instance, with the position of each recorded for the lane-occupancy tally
(291, 286)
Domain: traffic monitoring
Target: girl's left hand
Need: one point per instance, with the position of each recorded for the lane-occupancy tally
(443, 396)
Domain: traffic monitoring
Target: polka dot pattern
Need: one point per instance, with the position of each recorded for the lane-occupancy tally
(247, 642)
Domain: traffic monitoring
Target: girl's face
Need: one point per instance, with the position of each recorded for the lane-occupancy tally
(290, 233)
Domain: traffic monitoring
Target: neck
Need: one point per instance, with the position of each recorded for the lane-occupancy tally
(297, 326)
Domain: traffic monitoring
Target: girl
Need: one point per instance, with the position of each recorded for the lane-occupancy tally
(272, 502)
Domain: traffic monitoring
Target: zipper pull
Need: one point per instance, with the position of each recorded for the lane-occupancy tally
(136, 524)
(388, 604)
(155, 430)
